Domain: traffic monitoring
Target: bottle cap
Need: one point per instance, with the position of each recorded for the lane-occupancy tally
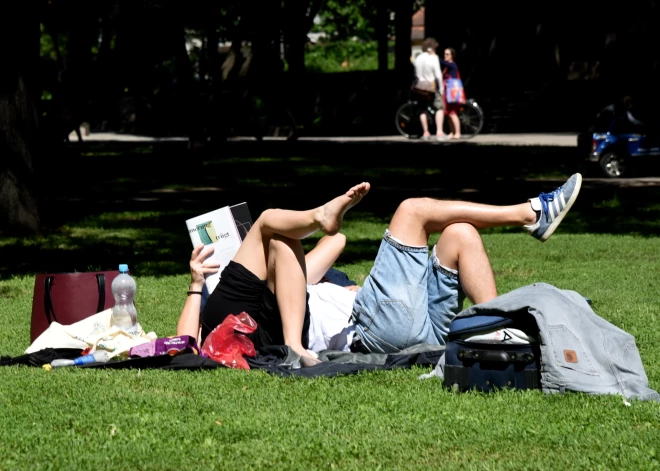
(123, 268)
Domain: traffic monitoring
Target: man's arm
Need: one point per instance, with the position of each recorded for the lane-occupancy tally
(438, 75)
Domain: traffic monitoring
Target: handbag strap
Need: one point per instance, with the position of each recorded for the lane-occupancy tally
(100, 281)
(48, 299)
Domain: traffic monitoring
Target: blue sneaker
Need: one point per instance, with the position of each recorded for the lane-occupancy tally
(552, 207)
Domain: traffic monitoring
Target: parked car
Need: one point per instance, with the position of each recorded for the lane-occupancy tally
(620, 145)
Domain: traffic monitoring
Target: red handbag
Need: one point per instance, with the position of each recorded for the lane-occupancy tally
(67, 298)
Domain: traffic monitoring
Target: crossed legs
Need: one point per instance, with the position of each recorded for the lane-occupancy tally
(460, 246)
(289, 272)
(272, 250)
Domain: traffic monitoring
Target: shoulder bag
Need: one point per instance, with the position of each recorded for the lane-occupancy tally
(454, 90)
(69, 297)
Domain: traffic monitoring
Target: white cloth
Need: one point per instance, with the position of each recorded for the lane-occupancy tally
(95, 331)
(330, 308)
(427, 69)
(505, 336)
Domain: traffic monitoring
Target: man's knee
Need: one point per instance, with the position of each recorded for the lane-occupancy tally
(463, 234)
(456, 241)
(413, 206)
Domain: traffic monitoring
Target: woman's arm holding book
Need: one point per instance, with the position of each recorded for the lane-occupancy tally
(189, 319)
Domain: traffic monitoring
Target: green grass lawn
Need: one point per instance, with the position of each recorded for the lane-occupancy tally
(607, 249)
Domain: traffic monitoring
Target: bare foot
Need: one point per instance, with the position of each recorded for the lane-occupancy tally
(331, 215)
(306, 362)
(306, 359)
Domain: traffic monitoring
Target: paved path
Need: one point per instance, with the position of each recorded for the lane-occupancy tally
(547, 139)
(538, 139)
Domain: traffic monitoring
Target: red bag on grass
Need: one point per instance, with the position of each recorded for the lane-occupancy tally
(227, 343)
(69, 297)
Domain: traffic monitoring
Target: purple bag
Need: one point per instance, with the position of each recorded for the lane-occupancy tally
(165, 346)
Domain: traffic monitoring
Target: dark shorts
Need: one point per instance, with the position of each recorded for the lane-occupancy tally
(239, 290)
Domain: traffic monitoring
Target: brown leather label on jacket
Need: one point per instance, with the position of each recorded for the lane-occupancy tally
(570, 356)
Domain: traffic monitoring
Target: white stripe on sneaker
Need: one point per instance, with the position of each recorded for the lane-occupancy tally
(555, 206)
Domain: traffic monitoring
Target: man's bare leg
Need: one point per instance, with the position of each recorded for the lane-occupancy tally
(417, 218)
(253, 252)
(287, 279)
(425, 125)
(439, 123)
(460, 248)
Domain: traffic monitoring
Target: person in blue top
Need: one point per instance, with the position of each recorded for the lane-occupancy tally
(450, 70)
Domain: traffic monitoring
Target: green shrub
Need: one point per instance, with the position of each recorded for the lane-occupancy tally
(344, 56)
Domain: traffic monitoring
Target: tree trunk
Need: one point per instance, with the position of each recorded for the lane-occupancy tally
(297, 20)
(382, 20)
(19, 47)
(403, 48)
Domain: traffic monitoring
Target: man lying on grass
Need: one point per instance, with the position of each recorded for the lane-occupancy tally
(408, 298)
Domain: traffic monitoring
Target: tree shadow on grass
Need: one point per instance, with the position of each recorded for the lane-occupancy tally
(136, 214)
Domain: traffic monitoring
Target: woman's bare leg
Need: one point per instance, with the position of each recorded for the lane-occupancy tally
(287, 279)
(417, 218)
(456, 126)
(323, 256)
(253, 252)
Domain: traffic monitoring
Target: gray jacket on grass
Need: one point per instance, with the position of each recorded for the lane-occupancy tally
(580, 351)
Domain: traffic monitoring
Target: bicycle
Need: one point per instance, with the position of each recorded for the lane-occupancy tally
(471, 117)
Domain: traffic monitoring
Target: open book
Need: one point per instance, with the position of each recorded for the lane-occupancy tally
(224, 229)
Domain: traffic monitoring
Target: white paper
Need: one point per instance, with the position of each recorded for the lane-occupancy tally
(219, 230)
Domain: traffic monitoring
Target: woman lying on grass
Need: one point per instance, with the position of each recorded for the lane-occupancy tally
(408, 298)
(267, 277)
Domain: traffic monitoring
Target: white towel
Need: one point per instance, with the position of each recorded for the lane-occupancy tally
(95, 331)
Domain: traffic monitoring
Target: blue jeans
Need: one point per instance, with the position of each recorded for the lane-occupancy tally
(407, 299)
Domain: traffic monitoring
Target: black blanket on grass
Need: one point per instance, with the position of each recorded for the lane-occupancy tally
(276, 360)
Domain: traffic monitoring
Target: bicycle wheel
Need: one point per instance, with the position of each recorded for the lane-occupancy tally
(472, 119)
(407, 121)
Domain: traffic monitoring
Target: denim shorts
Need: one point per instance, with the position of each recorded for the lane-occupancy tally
(407, 299)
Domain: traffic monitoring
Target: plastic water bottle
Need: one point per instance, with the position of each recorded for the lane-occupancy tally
(124, 315)
(99, 356)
